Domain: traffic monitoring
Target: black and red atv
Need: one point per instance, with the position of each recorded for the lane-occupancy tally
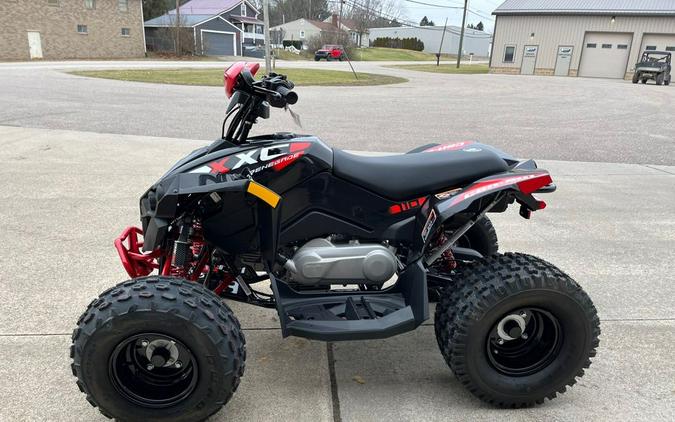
(344, 247)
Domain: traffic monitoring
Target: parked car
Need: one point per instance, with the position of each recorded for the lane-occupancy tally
(654, 65)
(330, 52)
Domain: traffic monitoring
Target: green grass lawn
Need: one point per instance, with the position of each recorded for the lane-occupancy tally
(370, 54)
(393, 54)
(214, 77)
(446, 68)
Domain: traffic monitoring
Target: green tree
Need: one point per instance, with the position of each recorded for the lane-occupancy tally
(480, 26)
(427, 22)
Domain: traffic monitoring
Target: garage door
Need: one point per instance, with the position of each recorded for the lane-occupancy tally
(658, 42)
(217, 44)
(605, 55)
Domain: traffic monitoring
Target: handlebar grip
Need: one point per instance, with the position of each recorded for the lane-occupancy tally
(289, 95)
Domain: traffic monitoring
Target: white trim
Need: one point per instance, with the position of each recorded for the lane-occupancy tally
(145, 46)
(234, 38)
(231, 24)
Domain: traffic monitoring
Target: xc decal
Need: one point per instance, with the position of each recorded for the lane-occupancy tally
(276, 157)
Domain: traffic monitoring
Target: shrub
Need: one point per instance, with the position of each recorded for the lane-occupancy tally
(295, 43)
(405, 43)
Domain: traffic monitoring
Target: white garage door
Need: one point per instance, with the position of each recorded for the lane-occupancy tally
(658, 42)
(605, 55)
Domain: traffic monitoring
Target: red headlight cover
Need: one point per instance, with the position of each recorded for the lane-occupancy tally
(232, 73)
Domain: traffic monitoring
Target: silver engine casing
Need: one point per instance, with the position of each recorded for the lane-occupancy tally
(320, 261)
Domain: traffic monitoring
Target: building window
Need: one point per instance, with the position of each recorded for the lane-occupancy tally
(670, 48)
(607, 46)
(622, 46)
(650, 47)
(302, 35)
(242, 9)
(123, 5)
(509, 53)
(126, 32)
(53, 2)
(90, 4)
(82, 29)
(591, 45)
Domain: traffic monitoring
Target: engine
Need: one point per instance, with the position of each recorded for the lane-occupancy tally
(321, 262)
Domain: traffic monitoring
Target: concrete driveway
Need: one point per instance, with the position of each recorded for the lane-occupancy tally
(542, 117)
(68, 194)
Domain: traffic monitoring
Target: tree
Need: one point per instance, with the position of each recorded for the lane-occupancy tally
(480, 26)
(426, 22)
(282, 11)
(154, 8)
(470, 26)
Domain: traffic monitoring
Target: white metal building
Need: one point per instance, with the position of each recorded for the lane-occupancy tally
(475, 42)
(599, 38)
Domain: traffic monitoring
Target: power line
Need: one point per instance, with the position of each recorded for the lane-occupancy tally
(411, 24)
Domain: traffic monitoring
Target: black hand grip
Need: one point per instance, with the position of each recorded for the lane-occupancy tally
(290, 96)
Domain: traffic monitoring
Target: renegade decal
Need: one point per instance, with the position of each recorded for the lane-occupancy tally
(428, 225)
(277, 157)
(449, 147)
(408, 205)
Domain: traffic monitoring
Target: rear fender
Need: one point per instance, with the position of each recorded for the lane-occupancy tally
(516, 184)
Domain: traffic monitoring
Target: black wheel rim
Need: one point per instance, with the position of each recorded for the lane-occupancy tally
(153, 370)
(524, 342)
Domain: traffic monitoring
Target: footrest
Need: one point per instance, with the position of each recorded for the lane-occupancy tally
(338, 316)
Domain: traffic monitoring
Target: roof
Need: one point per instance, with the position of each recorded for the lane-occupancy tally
(246, 19)
(587, 7)
(324, 26)
(170, 20)
(206, 7)
(197, 11)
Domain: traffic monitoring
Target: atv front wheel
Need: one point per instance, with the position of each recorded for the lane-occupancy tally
(519, 331)
(160, 349)
(659, 79)
(666, 82)
(636, 77)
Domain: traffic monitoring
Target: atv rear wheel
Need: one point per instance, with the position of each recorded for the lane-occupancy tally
(636, 77)
(160, 349)
(666, 82)
(481, 237)
(519, 331)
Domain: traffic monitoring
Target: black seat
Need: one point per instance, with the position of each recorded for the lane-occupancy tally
(408, 176)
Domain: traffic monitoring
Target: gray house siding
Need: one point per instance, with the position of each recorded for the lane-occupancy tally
(251, 13)
(216, 26)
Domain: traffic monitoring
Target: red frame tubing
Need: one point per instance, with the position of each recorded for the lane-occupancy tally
(135, 262)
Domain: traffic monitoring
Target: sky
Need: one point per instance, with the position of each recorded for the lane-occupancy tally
(414, 11)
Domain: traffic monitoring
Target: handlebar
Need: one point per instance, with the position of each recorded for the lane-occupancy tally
(275, 88)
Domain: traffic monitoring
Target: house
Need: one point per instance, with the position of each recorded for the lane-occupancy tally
(358, 37)
(71, 29)
(209, 27)
(475, 42)
(304, 29)
(602, 39)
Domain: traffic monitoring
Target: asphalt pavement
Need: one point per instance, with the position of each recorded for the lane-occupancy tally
(572, 119)
(68, 194)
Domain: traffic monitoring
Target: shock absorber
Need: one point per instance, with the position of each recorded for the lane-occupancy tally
(181, 250)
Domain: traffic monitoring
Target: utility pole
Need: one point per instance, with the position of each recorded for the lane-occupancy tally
(340, 18)
(177, 27)
(266, 18)
(440, 48)
(461, 37)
